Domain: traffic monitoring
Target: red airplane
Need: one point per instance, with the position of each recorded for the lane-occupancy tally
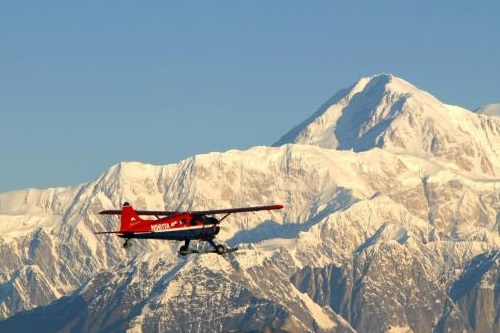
(180, 226)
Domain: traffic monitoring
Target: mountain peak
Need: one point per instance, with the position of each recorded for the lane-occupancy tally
(387, 112)
(356, 116)
(384, 82)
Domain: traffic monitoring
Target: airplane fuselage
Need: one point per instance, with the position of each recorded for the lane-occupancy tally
(167, 232)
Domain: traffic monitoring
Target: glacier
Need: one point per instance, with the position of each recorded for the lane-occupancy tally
(391, 224)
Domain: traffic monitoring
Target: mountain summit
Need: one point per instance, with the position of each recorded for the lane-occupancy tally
(356, 116)
(387, 112)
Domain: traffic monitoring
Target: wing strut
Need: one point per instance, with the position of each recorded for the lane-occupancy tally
(224, 217)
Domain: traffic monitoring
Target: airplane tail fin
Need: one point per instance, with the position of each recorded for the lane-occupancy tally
(129, 217)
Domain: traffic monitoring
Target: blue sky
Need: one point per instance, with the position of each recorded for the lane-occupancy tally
(87, 84)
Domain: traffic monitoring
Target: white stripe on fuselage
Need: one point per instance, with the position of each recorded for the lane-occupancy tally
(165, 227)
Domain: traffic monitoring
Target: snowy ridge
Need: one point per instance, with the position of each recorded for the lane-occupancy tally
(390, 224)
(490, 110)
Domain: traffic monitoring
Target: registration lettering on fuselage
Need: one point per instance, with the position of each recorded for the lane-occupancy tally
(160, 227)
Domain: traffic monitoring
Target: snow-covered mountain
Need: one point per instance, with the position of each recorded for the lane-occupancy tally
(391, 224)
(390, 113)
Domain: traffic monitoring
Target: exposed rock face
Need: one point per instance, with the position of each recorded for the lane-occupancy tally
(391, 224)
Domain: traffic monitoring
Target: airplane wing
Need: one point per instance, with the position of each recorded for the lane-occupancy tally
(139, 212)
(236, 210)
(200, 212)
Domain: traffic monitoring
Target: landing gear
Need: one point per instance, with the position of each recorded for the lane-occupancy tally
(184, 250)
(219, 248)
(126, 244)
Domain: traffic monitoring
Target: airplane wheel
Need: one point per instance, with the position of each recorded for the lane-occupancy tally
(220, 249)
(183, 248)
